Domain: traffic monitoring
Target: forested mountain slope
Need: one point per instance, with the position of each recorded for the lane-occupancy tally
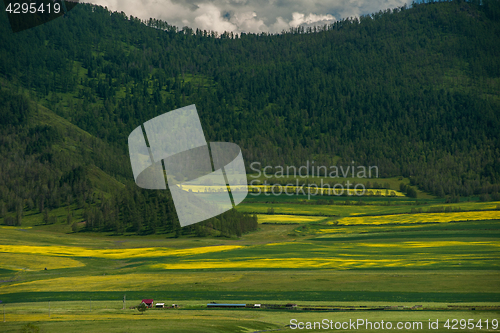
(414, 91)
(54, 173)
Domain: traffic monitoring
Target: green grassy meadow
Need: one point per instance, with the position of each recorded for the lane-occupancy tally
(301, 254)
(72, 317)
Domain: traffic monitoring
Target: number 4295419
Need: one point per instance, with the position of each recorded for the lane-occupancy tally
(455, 324)
(32, 8)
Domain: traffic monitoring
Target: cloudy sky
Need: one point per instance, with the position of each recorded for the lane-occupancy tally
(248, 15)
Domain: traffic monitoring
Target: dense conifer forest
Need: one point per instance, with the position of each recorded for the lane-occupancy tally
(413, 90)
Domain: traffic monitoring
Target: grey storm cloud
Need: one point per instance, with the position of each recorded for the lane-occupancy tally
(248, 16)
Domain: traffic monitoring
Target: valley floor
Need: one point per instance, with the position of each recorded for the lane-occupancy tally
(349, 265)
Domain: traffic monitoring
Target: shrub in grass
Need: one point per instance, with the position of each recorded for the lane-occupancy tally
(142, 307)
(30, 328)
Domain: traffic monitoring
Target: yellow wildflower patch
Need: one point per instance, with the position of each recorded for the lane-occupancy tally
(431, 244)
(115, 282)
(416, 260)
(288, 218)
(357, 229)
(315, 190)
(419, 218)
(16, 261)
(68, 251)
(203, 188)
(451, 243)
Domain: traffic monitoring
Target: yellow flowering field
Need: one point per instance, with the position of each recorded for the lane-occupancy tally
(132, 281)
(348, 262)
(277, 189)
(433, 244)
(288, 218)
(419, 218)
(203, 188)
(451, 243)
(349, 229)
(16, 261)
(69, 251)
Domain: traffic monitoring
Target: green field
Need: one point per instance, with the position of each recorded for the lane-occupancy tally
(305, 254)
(108, 316)
(353, 205)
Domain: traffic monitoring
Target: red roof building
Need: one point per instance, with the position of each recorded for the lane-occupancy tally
(148, 302)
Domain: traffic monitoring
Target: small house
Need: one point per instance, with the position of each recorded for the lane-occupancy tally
(148, 302)
(159, 305)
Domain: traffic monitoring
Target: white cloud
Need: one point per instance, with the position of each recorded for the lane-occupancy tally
(280, 25)
(248, 16)
(248, 21)
(209, 18)
(311, 19)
